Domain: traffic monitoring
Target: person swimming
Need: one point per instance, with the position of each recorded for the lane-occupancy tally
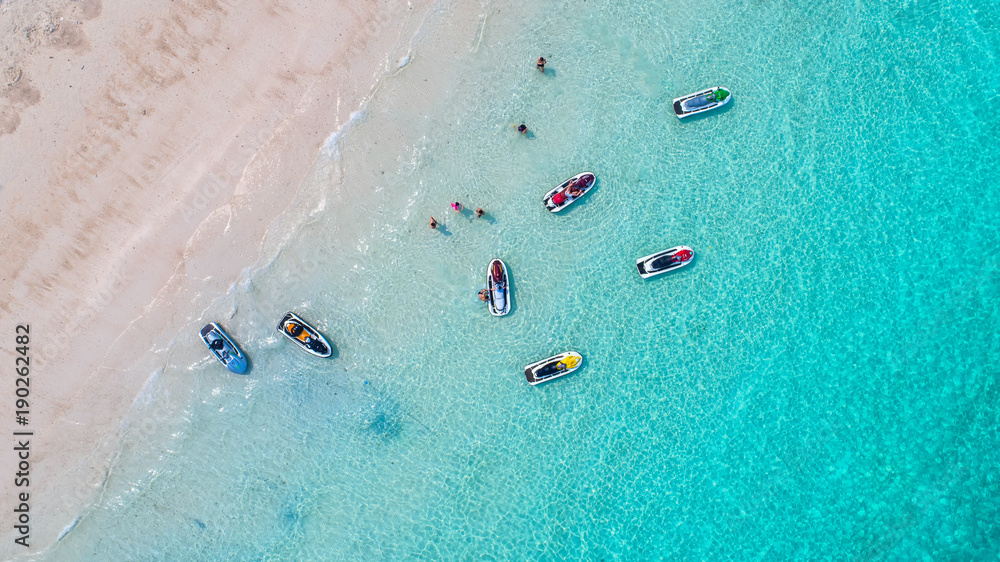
(522, 128)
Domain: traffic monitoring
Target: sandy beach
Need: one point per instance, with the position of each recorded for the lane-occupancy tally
(146, 148)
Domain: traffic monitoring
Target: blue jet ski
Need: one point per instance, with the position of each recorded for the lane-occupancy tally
(225, 350)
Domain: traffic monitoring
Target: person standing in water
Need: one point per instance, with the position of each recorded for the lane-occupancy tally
(434, 223)
(480, 213)
(522, 128)
(540, 65)
(457, 206)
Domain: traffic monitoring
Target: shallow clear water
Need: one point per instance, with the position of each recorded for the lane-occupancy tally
(821, 382)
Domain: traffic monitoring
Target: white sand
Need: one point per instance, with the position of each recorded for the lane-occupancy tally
(131, 134)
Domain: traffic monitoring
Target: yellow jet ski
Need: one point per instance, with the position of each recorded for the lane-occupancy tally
(553, 367)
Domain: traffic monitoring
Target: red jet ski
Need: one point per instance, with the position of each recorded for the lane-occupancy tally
(564, 194)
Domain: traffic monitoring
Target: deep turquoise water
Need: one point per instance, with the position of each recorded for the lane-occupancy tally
(821, 383)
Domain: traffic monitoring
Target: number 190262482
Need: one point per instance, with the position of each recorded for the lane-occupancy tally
(22, 366)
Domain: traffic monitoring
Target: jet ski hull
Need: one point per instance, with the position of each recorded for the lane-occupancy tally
(556, 204)
(497, 292)
(308, 338)
(700, 102)
(662, 262)
(553, 367)
(229, 354)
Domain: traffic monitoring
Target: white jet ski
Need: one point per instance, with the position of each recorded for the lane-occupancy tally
(497, 288)
(662, 262)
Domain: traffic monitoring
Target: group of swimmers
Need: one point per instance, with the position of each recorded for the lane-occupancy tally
(457, 207)
(522, 128)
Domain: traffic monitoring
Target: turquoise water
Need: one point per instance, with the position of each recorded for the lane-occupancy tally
(820, 383)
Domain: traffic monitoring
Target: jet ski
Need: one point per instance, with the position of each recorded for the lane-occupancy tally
(662, 262)
(553, 367)
(564, 194)
(304, 335)
(224, 349)
(497, 288)
(700, 102)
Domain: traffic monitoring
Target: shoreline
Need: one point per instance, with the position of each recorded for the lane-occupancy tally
(174, 163)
